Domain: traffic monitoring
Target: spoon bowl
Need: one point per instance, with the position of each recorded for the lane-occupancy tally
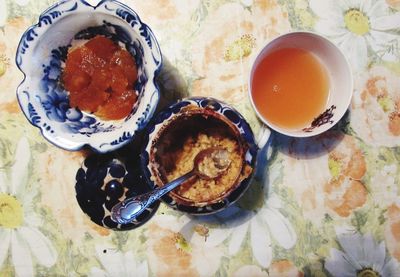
(210, 163)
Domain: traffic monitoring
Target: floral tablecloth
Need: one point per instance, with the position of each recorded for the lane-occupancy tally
(327, 205)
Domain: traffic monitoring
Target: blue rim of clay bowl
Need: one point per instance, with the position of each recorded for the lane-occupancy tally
(85, 126)
(234, 117)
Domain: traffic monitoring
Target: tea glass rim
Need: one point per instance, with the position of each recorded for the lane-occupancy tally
(287, 131)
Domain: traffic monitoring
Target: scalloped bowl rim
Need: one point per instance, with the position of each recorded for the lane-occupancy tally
(152, 100)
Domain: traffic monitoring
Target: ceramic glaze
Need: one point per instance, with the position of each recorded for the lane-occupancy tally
(41, 55)
(105, 180)
(230, 114)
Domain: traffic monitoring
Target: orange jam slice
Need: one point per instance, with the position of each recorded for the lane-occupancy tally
(100, 78)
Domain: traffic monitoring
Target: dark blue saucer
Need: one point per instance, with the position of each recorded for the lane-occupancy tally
(106, 179)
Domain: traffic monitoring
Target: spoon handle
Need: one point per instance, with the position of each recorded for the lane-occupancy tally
(126, 211)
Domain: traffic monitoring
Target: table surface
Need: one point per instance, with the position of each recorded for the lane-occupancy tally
(326, 205)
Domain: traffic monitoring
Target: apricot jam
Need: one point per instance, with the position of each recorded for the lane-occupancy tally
(100, 78)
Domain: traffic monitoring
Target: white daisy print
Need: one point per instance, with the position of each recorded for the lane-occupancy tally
(355, 25)
(375, 113)
(250, 270)
(384, 188)
(263, 225)
(361, 255)
(22, 2)
(117, 263)
(247, 3)
(279, 268)
(19, 233)
(3, 13)
(184, 245)
(261, 218)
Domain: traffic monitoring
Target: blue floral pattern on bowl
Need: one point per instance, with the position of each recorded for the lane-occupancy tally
(42, 52)
(106, 179)
(223, 109)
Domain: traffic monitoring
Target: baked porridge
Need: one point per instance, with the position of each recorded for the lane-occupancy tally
(198, 189)
(180, 140)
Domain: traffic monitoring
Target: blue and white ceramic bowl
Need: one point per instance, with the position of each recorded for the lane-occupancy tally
(42, 52)
(185, 110)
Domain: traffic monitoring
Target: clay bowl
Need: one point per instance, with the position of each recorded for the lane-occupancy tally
(178, 133)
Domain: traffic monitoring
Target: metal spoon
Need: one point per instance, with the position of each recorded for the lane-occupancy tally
(209, 164)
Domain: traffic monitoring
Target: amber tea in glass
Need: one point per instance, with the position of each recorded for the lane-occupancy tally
(290, 88)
